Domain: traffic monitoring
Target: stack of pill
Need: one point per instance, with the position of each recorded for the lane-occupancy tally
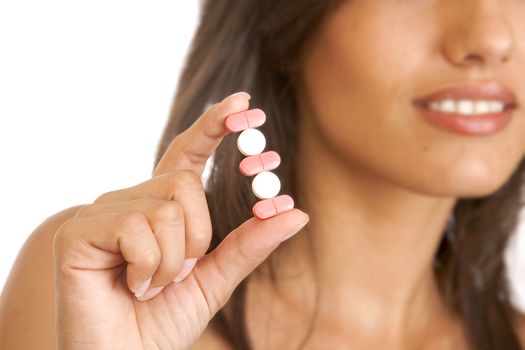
(251, 142)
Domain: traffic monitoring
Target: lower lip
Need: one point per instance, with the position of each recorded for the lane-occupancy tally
(485, 124)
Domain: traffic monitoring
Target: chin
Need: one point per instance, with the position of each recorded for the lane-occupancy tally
(471, 180)
(466, 178)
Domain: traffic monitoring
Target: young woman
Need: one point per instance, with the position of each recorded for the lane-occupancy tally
(399, 125)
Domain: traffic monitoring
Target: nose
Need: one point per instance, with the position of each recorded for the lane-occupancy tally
(478, 32)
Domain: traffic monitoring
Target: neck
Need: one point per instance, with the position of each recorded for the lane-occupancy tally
(373, 244)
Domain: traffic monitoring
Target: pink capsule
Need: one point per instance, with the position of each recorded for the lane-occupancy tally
(272, 206)
(265, 161)
(243, 120)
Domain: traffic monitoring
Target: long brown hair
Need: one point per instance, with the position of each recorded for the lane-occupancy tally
(254, 46)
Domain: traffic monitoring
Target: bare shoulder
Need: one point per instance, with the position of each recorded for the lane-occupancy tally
(27, 300)
(209, 339)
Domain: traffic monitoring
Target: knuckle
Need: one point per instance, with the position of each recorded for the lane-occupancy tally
(182, 181)
(188, 180)
(168, 211)
(192, 156)
(131, 221)
(210, 108)
(151, 257)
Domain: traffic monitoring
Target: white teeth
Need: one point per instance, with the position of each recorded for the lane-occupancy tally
(496, 106)
(448, 106)
(467, 107)
(482, 107)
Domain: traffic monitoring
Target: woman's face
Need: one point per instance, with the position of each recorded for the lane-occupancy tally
(371, 58)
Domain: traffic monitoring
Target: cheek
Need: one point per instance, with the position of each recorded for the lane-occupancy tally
(360, 77)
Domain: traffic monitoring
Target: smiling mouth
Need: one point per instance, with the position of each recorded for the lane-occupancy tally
(465, 107)
(469, 108)
(469, 98)
(473, 124)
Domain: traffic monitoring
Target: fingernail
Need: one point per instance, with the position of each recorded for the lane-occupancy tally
(150, 293)
(142, 288)
(187, 267)
(241, 93)
(296, 229)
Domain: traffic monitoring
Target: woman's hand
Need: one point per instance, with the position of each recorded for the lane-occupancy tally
(137, 241)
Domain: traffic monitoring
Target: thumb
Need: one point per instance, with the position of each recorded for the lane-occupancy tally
(241, 251)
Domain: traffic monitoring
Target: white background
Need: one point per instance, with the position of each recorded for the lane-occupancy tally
(85, 91)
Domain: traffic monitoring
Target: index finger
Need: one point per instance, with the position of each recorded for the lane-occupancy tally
(191, 149)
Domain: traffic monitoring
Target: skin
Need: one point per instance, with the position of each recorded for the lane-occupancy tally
(375, 225)
(393, 177)
(93, 258)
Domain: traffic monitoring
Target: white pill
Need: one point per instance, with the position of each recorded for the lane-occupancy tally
(266, 185)
(251, 142)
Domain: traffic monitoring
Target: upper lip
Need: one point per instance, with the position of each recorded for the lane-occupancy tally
(471, 91)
